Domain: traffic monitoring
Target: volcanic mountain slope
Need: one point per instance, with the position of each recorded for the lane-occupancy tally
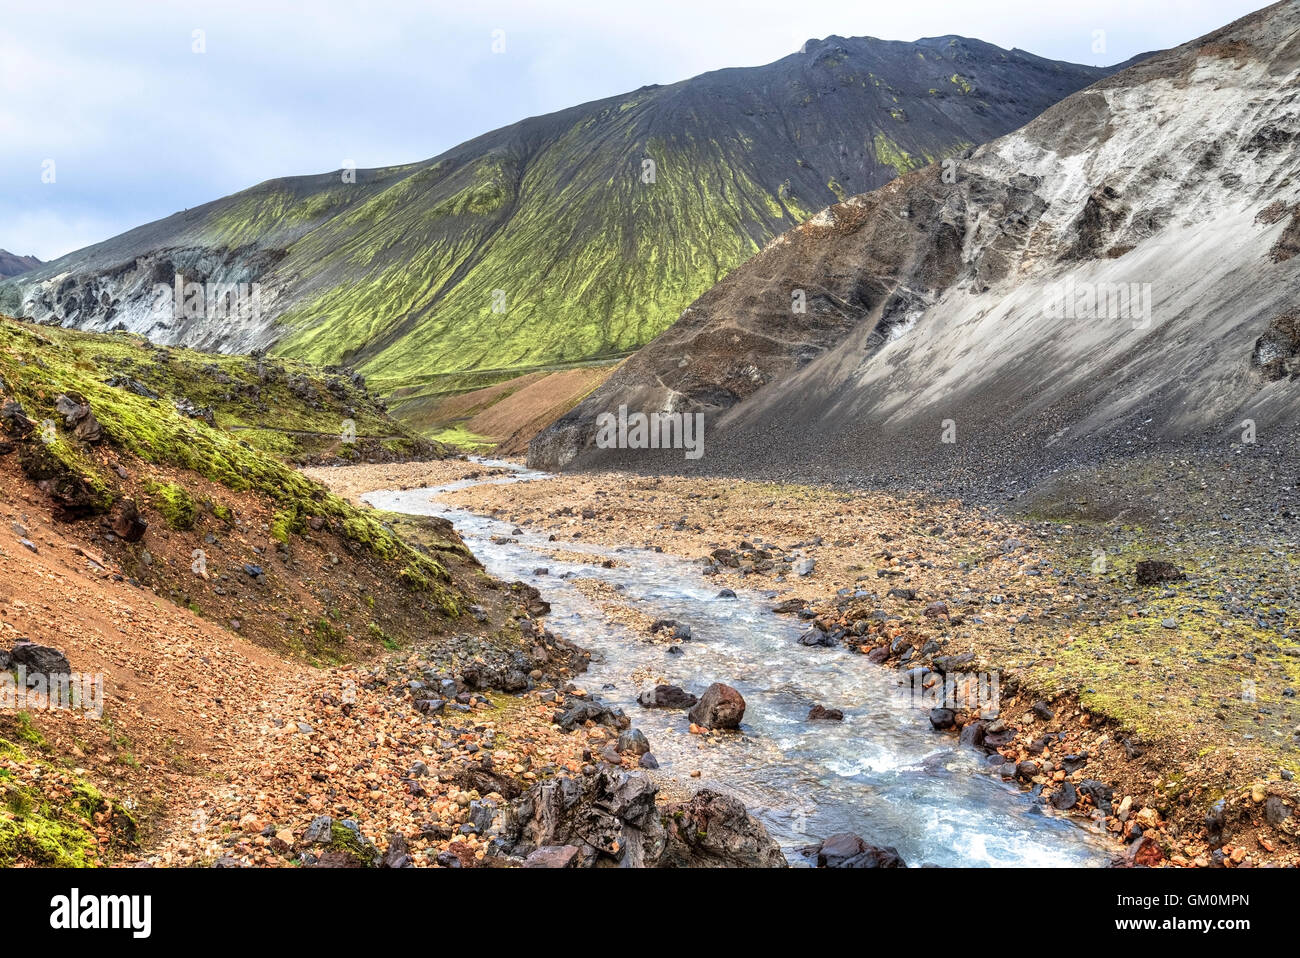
(564, 237)
(12, 265)
(1120, 270)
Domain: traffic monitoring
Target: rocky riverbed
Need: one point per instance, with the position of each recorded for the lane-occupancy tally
(932, 586)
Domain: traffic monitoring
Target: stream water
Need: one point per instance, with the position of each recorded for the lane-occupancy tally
(882, 772)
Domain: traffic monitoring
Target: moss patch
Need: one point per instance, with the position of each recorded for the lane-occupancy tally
(49, 818)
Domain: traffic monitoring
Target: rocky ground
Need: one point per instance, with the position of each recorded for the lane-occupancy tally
(1161, 704)
(1164, 711)
(466, 748)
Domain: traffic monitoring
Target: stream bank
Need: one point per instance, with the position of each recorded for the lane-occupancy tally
(882, 772)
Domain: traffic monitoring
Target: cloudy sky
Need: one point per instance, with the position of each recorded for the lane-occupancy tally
(134, 115)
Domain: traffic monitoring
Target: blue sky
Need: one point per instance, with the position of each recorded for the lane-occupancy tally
(138, 125)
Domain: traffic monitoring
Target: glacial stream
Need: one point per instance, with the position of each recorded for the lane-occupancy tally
(882, 772)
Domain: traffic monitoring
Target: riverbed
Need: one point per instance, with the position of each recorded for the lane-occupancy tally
(882, 772)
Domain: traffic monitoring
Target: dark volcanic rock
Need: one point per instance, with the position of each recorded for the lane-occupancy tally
(666, 697)
(1275, 811)
(942, 718)
(633, 742)
(611, 819)
(720, 707)
(76, 413)
(1065, 797)
(715, 831)
(1101, 794)
(822, 713)
(14, 421)
(847, 850)
(583, 710)
(553, 856)
(1153, 571)
(126, 521)
(818, 637)
(40, 659)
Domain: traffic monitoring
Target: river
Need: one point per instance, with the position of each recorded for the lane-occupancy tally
(882, 772)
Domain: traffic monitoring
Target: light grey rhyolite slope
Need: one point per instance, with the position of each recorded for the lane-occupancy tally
(931, 301)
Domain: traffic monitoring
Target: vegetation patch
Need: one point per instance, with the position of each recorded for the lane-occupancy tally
(52, 819)
(173, 502)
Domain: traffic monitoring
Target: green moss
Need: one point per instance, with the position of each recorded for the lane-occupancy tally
(661, 245)
(1164, 682)
(37, 830)
(39, 365)
(889, 153)
(173, 502)
(459, 437)
(414, 579)
(287, 523)
(345, 840)
(27, 732)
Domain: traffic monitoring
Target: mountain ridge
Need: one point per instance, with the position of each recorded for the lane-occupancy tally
(11, 264)
(928, 299)
(398, 272)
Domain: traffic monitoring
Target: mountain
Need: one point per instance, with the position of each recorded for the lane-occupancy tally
(1120, 272)
(12, 265)
(594, 250)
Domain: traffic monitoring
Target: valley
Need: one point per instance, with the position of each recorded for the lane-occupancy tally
(883, 457)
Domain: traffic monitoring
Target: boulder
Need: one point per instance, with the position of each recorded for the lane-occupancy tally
(715, 831)
(816, 637)
(40, 659)
(583, 711)
(553, 856)
(397, 855)
(720, 707)
(847, 850)
(1154, 571)
(127, 523)
(609, 817)
(972, 734)
(789, 606)
(1101, 794)
(1275, 810)
(76, 413)
(953, 663)
(820, 713)
(14, 421)
(941, 718)
(633, 742)
(1065, 797)
(666, 697)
